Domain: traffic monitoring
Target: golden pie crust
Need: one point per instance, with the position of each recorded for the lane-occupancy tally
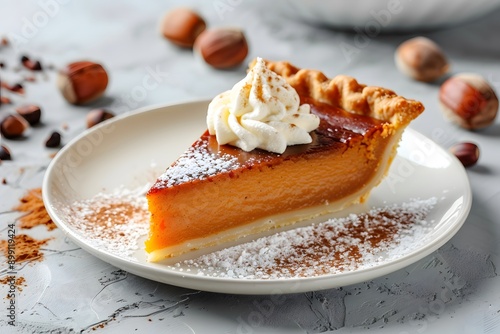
(346, 93)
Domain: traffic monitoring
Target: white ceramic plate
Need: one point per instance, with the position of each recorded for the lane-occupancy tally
(120, 153)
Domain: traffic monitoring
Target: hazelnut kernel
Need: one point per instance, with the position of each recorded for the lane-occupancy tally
(54, 140)
(468, 100)
(182, 26)
(421, 59)
(82, 82)
(467, 153)
(13, 126)
(222, 48)
(97, 116)
(30, 112)
(5, 153)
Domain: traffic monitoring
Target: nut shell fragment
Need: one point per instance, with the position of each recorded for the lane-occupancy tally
(97, 116)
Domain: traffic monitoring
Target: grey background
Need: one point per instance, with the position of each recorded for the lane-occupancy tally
(455, 289)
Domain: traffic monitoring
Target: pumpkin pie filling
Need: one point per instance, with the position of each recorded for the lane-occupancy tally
(216, 193)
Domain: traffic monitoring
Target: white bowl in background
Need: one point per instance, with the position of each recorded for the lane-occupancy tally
(388, 15)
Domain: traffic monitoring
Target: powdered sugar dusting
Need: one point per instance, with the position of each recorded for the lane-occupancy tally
(113, 222)
(337, 245)
(195, 164)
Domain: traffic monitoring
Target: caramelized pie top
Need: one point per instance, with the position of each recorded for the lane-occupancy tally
(206, 158)
(346, 108)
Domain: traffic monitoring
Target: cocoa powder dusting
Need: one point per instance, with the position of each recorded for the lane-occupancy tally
(25, 247)
(32, 205)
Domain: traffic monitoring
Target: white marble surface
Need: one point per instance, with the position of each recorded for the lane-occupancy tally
(456, 289)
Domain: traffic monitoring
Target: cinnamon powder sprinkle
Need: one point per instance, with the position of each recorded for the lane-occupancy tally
(26, 248)
(335, 246)
(113, 222)
(32, 205)
(19, 282)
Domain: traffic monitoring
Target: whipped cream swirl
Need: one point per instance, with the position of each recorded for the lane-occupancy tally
(261, 111)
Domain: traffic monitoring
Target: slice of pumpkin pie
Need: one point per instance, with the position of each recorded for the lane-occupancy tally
(285, 144)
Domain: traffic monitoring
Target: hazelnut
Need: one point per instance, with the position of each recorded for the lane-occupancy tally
(5, 153)
(97, 116)
(54, 140)
(182, 26)
(468, 100)
(30, 112)
(222, 48)
(421, 59)
(82, 82)
(13, 126)
(467, 153)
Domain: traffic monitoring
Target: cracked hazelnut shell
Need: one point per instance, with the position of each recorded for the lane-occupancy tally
(5, 153)
(30, 112)
(53, 140)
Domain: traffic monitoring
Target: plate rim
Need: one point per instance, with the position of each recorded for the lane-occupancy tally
(254, 286)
